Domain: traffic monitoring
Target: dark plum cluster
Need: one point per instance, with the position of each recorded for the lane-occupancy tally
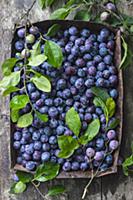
(88, 61)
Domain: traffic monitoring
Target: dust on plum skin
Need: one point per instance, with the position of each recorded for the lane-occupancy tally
(88, 61)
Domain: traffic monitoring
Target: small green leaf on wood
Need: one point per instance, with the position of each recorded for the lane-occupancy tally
(125, 48)
(24, 177)
(53, 30)
(128, 20)
(46, 171)
(45, 3)
(131, 28)
(42, 83)
(60, 13)
(12, 188)
(49, 2)
(19, 101)
(42, 3)
(14, 115)
(126, 164)
(8, 65)
(42, 117)
(56, 190)
(25, 120)
(54, 54)
(73, 121)
(10, 80)
(82, 15)
(37, 60)
(9, 90)
(18, 187)
(91, 132)
(71, 3)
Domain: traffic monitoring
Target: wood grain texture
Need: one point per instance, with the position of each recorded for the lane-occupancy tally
(113, 187)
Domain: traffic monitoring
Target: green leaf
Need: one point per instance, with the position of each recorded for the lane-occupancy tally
(128, 20)
(14, 115)
(19, 187)
(113, 124)
(99, 92)
(42, 83)
(60, 13)
(53, 30)
(115, 22)
(11, 80)
(37, 60)
(98, 102)
(73, 121)
(53, 53)
(56, 190)
(42, 117)
(25, 120)
(24, 177)
(46, 171)
(125, 48)
(71, 3)
(68, 145)
(8, 65)
(9, 90)
(131, 29)
(49, 2)
(65, 153)
(110, 104)
(91, 132)
(36, 49)
(45, 3)
(19, 101)
(12, 188)
(41, 3)
(82, 15)
(127, 163)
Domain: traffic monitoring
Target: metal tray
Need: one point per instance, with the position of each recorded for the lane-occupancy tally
(94, 27)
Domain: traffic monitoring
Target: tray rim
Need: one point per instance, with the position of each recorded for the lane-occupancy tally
(117, 58)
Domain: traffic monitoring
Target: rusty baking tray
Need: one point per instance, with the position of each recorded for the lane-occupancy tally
(94, 27)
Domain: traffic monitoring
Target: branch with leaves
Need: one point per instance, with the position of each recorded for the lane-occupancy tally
(44, 172)
(53, 55)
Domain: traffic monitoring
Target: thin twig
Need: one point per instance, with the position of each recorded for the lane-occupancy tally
(94, 174)
(36, 187)
(86, 187)
(28, 11)
(24, 68)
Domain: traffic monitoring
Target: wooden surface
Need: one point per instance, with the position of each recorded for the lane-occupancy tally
(112, 187)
